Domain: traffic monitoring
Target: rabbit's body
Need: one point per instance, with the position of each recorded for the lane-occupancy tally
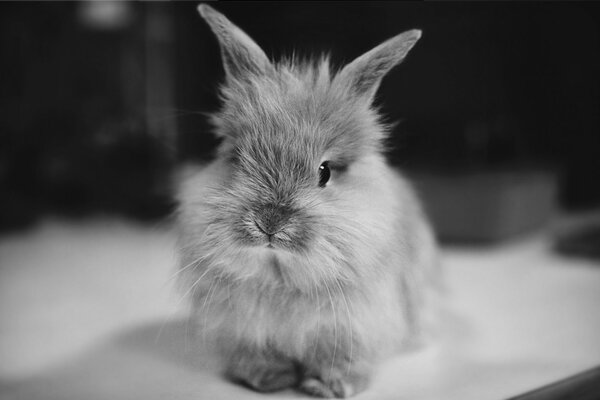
(307, 257)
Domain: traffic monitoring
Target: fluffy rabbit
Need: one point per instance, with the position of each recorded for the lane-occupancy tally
(307, 257)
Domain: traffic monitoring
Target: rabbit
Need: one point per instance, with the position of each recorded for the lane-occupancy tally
(308, 260)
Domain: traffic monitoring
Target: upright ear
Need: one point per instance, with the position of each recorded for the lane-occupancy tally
(241, 55)
(364, 74)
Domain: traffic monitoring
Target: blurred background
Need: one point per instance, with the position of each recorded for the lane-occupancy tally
(497, 105)
(101, 103)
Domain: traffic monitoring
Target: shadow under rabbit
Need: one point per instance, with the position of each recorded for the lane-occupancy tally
(154, 361)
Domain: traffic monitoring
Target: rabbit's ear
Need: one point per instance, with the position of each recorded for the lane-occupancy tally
(241, 55)
(365, 73)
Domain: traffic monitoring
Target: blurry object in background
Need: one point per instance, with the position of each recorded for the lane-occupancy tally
(80, 83)
(131, 167)
(105, 14)
(581, 239)
(18, 206)
(487, 188)
(487, 206)
(159, 76)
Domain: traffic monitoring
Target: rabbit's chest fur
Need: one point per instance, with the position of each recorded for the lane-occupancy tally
(369, 317)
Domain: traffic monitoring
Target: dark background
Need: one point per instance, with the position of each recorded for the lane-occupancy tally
(97, 109)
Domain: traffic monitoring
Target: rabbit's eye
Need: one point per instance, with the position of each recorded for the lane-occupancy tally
(324, 173)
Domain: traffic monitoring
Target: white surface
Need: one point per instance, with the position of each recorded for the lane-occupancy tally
(87, 311)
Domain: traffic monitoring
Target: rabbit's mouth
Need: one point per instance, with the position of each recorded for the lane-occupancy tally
(261, 231)
(277, 241)
(281, 240)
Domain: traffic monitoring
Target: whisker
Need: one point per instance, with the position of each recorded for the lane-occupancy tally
(350, 326)
(207, 304)
(182, 269)
(318, 320)
(188, 320)
(174, 113)
(335, 328)
(208, 269)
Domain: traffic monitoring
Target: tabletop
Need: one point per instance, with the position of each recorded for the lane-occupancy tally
(88, 310)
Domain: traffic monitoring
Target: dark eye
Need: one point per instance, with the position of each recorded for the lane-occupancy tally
(324, 174)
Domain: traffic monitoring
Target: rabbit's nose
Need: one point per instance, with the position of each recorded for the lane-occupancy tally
(272, 218)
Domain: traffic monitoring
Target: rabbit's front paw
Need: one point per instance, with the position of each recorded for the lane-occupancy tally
(263, 371)
(333, 385)
(269, 379)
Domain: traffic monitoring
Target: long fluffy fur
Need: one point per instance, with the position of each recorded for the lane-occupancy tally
(347, 282)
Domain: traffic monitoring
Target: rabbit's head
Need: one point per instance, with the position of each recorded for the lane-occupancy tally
(303, 194)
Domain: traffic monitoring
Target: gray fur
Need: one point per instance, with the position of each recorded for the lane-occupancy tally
(302, 285)
(365, 73)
